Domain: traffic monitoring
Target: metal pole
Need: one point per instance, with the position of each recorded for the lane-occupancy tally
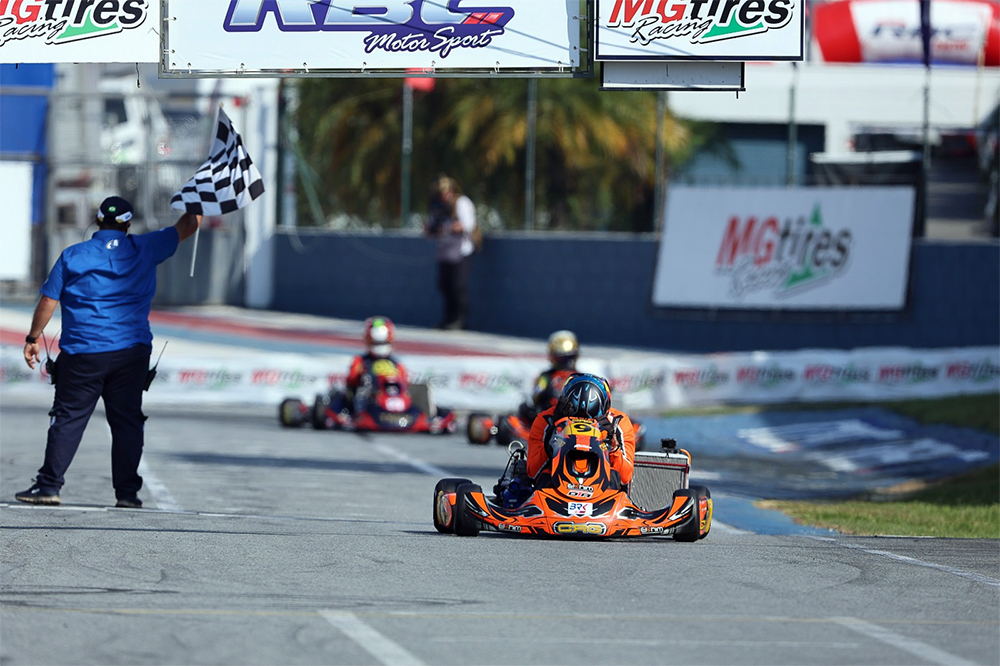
(404, 207)
(793, 134)
(659, 179)
(529, 156)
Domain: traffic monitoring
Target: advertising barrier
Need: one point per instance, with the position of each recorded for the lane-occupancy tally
(66, 31)
(819, 248)
(486, 383)
(676, 30)
(299, 38)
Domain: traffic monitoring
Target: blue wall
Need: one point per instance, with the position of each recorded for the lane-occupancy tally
(599, 286)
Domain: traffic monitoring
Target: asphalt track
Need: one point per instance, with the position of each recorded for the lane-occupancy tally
(266, 546)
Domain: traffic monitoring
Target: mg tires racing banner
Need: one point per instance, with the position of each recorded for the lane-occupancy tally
(65, 31)
(303, 37)
(699, 29)
(817, 248)
(963, 32)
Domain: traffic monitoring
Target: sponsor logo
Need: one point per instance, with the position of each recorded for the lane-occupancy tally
(111, 244)
(822, 373)
(766, 377)
(395, 26)
(581, 509)
(431, 378)
(289, 378)
(580, 528)
(698, 21)
(579, 491)
(784, 258)
(912, 373)
(650, 530)
(646, 381)
(704, 378)
(983, 371)
(504, 527)
(484, 381)
(14, 375)
(214, 379)
(64, 21)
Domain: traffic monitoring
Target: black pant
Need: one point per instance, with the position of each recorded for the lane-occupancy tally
(118, 377)
(453, 282)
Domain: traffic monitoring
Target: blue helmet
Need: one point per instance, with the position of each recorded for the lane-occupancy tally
(584, 396)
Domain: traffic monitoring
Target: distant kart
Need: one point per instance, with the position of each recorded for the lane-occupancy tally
(388, 404)
(582, 496)
(482, 428)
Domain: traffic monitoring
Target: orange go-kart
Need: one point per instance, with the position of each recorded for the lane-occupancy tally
(578, 495)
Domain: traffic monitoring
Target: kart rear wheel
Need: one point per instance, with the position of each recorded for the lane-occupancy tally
(318, 414)
(465, 525)
(444, 520)
(700, 522)
(478, 428)
(290, 413)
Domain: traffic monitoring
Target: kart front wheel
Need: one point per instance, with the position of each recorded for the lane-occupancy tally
(290, 413)
(318, 414)
(700, 523)
(465, 524)
(444, 513)
(478, 428)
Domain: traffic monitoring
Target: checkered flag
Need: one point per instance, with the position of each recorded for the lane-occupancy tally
(227, 182)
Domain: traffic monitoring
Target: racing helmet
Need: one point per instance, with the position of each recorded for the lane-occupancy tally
(379, 334)
(585, 396)
(563, 350)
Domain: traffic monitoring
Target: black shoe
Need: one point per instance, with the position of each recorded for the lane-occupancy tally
(38, 495)
(129, 503)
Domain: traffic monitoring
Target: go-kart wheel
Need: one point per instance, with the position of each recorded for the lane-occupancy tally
(465, 524)
(318, 414)
(290, 413)
(505, 432)
(640, 436)
(478, 428)
(700, 522)
(444, 520)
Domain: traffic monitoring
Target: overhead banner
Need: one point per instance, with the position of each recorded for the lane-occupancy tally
(816, 248)
(965, 32)
(701, 30)
(301, 37)
(65, 31)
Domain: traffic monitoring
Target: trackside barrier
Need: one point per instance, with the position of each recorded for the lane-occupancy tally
(663, 382)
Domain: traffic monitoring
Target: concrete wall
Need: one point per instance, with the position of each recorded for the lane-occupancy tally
(599, 286)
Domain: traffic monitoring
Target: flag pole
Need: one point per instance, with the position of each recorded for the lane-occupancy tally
(194, 250)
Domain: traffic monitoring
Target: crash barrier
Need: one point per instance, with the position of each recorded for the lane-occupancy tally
(647, 384)
(599, 286)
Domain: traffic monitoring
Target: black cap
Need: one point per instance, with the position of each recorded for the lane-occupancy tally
(114, 210)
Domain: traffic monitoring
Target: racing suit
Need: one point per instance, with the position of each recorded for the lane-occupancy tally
(547, 389)
(364, 369)
(617, 424)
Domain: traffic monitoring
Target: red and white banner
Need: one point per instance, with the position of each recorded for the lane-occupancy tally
(962, 31)
(817, 248)
(643, 385)
(34, 31)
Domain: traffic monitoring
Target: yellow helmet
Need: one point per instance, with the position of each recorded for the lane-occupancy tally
(563, 349)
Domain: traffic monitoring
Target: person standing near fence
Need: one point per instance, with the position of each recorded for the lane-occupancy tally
(104, 286)
(451, 220)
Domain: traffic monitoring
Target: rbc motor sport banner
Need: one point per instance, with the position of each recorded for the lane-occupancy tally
(817, 248)
(962, 31)
(296, 37)
(699, 29)
(64, 31)
(499, 384)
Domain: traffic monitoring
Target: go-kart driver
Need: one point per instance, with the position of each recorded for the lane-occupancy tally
(379, 335)
(583, 396)
(563, 351)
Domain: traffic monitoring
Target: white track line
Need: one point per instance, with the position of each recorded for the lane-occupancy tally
(979, 578)
(416, 463)
(164, 500)
(916, 648)
(386, 651)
